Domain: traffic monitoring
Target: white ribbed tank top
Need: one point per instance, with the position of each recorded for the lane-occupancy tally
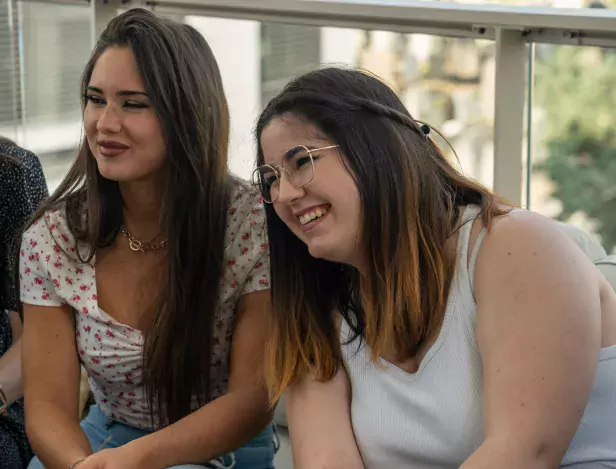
(432, 419)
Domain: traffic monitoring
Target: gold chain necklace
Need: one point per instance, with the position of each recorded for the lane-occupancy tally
(137, 245)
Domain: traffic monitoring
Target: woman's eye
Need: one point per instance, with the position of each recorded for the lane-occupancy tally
(302, 161)
(95, 99)
(135, 105)
(270, 180)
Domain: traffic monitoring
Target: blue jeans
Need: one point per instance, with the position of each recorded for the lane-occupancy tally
(257, 454)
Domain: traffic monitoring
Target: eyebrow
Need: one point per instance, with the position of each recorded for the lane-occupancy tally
(119, 93)
(294, 149)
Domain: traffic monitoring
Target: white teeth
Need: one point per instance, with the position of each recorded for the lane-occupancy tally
(308, 217)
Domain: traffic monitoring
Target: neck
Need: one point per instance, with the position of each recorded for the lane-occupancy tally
(143, 201)
(359, 262)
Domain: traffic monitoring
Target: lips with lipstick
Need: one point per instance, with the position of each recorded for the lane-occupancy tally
(111, 148)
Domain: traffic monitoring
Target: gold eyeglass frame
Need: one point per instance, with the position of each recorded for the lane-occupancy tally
(279, 168)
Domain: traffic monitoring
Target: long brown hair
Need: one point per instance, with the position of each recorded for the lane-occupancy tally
(183, 82)
(410, 197)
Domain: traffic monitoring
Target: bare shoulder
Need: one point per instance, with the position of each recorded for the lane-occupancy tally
(524, 221)
(528, 265)
(526, 238)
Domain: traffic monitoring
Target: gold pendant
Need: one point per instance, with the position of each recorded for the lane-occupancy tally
(135, 245)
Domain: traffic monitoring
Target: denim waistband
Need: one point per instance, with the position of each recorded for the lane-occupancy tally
(121, 434)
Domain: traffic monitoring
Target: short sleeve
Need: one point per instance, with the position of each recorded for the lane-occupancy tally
(35, 283)
(259, 274)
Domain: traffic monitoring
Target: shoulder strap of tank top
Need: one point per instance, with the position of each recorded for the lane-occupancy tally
(473, 259)
(469, 215)
(475, 253)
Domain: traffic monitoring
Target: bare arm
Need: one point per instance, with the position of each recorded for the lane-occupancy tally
(231, 420)
(539, 336)
(51, 386)
(319, 417)
(10, 362)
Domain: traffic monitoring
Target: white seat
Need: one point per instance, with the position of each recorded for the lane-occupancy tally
(593, 249)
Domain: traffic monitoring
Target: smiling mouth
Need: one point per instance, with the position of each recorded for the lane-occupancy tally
(313, 215)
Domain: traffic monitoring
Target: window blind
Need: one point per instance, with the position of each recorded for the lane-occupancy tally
(287, 51)
(9, 70)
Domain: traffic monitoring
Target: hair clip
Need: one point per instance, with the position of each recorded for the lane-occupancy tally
(425, 129)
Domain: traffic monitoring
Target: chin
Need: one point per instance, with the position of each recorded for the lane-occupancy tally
(324, 251)
(116, 176)
(121, 174)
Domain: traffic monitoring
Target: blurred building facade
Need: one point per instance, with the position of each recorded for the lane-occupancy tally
(446, 82)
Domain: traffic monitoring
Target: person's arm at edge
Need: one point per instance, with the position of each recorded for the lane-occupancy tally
(319, 417)
(538, 324)
(51, 386)
(10, 362)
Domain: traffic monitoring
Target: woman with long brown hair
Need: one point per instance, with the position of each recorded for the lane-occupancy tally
(420, 321)
(149, 266)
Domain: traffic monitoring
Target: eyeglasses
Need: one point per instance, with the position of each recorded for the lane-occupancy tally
(297, 163)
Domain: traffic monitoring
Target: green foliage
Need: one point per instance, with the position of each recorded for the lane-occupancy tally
(576, 88)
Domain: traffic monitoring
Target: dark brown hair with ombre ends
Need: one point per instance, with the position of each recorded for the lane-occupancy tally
(410, 197)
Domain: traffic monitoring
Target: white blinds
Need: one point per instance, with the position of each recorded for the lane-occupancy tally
(43, 49)
(55, 47)
(9, 77)
(287, 51)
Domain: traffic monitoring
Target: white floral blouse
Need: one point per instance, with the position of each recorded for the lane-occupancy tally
(111, 352)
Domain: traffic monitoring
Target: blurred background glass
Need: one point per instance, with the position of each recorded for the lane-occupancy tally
(570, 162)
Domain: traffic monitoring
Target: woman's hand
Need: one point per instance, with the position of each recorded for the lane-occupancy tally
(124, 457)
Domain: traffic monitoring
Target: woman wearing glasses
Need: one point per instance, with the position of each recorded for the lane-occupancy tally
(419, 320)
(149, 266)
